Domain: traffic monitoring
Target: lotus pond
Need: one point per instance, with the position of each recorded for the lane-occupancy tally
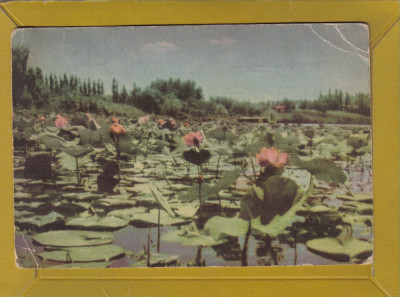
(157, 194)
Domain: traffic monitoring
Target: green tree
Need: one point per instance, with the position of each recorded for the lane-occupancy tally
(114, 91)
(20, 57)
(123, 97)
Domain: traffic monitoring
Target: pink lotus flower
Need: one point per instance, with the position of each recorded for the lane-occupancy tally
(271, 157)
(117, 130)
(161, 122)
(193, 139)
(144, 119)
(61, 122)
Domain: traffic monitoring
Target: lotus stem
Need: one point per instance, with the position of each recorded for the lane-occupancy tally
(245, 246)
(268, 243)
(295, 250)
(200, 194)
(198, 257)
(118, 150)
(216, 174)
(158, 230)
(252, 165)
(148, 248)
(77, 171)
(219, 200)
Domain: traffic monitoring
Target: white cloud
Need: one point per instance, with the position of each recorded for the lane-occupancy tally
(158, 47)
(223, 40)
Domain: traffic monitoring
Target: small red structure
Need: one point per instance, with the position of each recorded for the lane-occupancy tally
(280, 108)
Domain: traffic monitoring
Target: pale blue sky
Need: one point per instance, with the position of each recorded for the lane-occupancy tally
(255, 62)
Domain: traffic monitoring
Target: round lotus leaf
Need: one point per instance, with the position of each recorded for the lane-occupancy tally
(72, 238)
(107, 223)
(333, 249)
(83, 265)
(79, 151)
(192, 238)
(159, 260)
(151, 218)
(51, 220)
(84, 254)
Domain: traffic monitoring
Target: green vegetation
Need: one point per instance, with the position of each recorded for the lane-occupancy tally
(173, 97)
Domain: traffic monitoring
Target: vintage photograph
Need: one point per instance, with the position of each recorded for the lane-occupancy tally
(192, 146)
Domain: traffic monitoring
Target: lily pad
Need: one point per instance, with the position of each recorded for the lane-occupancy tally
(159, 260)
(84, 254)
(333, 249)
(52, 219)
(207, 190)
(192, 239)
(360, 197)
(107, 223)
(322, 169)
(68, 162)
(317, 209)
(72, 238)
(116, 203)
(221, 227)
(83, 196)
(79, 151)
(83, 265)
(127, 213)
(151, 218)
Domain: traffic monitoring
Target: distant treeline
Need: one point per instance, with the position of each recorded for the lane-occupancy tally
(172, 97)
(31, 88)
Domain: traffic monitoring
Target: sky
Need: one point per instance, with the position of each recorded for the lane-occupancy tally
(246, 62)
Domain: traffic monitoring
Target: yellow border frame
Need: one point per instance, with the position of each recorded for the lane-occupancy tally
(379, 279)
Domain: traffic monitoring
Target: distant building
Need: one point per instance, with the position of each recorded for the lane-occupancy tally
(280, 108)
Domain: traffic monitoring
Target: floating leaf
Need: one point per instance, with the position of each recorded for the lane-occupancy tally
(79, 151)
(84, 254)
(221, 227)
(90, 137)
(219, 134)
(207, 190)
(107, 223)
(83, 265)
(187, 210)
(286, 144)
(68, 162)
(333, 249)
(72, 238)
(52, 219)
(158, 260)
(357, 142)
(128, 213)
(151, 218)
(50, 141)
(191, 239)
(322, 169)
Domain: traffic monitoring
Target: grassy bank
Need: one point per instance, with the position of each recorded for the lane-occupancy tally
(100, 105)
(315, 117)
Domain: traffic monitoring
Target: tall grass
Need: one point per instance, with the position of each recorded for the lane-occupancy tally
(95, 105)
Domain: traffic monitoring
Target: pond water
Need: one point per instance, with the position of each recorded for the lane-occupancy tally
(130, 213)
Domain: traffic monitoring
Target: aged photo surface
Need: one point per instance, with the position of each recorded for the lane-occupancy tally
(192, 146)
